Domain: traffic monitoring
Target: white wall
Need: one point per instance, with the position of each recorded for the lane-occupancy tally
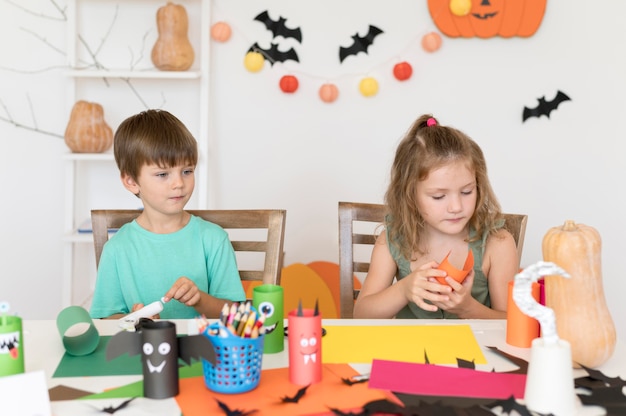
(293, 151)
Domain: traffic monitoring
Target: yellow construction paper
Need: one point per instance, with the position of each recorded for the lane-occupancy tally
(442, 344)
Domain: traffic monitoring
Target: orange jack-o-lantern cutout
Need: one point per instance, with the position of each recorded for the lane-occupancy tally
(328, 93)
(289, 84)
(221, 31)
(402, 71)
(489, 18)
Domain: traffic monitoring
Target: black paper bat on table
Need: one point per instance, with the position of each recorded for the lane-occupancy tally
(278, 27)
(274, 55)
(234, 412)
(296, 398)
(111, 410)
(360, 43)
(160, 350)
(544, 108)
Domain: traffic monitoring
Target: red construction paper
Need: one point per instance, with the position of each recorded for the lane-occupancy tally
(195, 399)
(435, 380)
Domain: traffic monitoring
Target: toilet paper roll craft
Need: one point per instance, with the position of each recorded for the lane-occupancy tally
(129, 321)
(160, 350)
(550, 383)
(457, 274)
(305, 345)
(268, 300)
(78, 332)
(11, 345)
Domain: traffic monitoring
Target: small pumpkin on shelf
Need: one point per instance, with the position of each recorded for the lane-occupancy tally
(172, 50)
(87, 131)
(582, 315)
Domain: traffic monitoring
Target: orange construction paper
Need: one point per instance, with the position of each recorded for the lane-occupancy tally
(361, 344)
(521, 329)
(195, 399)
(453, 272)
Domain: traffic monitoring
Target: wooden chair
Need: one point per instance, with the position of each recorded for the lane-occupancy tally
(266, 226)
(358, 226)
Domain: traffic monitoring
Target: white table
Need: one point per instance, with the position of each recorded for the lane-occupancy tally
(43, 349)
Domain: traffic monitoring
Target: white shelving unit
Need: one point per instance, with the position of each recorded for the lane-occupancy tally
(196, 79)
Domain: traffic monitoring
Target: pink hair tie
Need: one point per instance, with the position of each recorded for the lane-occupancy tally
(431, 122)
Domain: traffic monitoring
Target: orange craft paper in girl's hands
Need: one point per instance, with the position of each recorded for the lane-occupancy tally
(456, 274)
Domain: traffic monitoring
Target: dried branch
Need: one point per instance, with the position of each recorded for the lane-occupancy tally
(60, 9)
(9, 119)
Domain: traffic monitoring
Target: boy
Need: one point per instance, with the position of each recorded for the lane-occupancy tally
(166, 252)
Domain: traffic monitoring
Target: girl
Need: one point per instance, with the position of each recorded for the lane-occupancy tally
(439, 201)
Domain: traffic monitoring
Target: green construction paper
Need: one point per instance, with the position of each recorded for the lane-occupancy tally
(84, 343)
(96, 364)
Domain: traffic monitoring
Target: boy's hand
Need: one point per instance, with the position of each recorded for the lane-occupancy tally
(185, 291)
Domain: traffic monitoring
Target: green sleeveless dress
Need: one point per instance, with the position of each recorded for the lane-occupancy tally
(480, 289)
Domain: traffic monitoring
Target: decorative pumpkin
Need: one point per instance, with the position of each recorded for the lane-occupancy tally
(487, 18)
(402, 71)
(253, 61)
(289, 84)
(86, 131)
(172, 50)
(368, 87)
(329, 93)
(582, 316)
(431, 42)
(221, 31)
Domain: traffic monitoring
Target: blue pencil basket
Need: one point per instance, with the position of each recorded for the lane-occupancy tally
(238, 361)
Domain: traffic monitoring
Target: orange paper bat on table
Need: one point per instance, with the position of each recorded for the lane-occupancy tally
(453, 272)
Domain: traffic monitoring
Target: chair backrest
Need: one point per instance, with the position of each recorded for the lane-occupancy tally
(250, 231)
(372, 216)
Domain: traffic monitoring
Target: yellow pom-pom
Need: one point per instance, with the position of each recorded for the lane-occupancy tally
(368, 86)
(254, 61)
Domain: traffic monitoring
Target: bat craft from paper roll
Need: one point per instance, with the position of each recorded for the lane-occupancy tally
(360, 43)
(160, 350)
(544, 108)
(453, 272)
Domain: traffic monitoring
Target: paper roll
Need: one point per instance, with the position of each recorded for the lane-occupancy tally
(78, 333)
(457, 274)
(11, 346)
(268, 300)
(521, 329)
(305, 347)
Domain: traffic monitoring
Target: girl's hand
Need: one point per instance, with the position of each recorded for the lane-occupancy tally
(460, 297)
(185, 291)
(421, 285)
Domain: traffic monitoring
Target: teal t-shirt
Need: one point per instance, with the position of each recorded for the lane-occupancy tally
(480, 288)
(138, 266)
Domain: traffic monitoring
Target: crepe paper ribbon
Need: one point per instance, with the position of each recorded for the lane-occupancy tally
(529, 305)
(453, 272)
(78, 333)
(521, 329)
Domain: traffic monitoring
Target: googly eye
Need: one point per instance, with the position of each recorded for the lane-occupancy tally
(148, 349)
(304, 342)
(4, 307)
(267, 309)
(313, 341)
(164, 348)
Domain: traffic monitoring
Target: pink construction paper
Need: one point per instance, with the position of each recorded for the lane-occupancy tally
(436, 380)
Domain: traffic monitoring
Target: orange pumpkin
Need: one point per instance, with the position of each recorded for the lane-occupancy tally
(582, 316)
(489, 18)
(172, 50)
(87, 131)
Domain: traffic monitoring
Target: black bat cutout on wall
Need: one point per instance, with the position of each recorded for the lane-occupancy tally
(278, 27)
(359, 44)
(544, 108)
(274, 55)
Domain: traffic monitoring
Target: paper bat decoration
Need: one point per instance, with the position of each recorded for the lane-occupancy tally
(160, 350)
(359, 44)
(544, 108)
(363, 378)
(461, 363)
(111, 410)
(522, 364)
(234, 412)
(278, 27)
(509, 405)
(274, 55)
(296, 398)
